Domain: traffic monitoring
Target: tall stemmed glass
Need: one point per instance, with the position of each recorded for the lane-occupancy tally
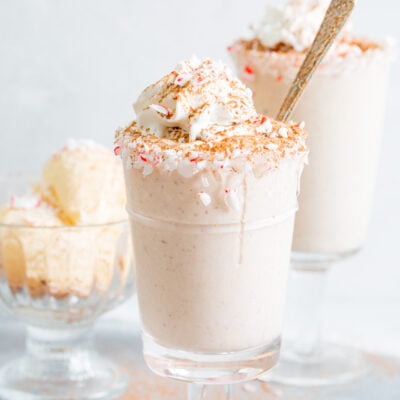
(334, 203)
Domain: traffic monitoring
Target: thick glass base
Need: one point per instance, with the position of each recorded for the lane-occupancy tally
(328, 364)
(204, 368)
(103, 382)
(61, 365)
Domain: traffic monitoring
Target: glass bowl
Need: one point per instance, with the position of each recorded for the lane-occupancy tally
(58, 281)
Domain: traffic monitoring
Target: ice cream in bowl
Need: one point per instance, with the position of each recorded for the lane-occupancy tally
(65, 259)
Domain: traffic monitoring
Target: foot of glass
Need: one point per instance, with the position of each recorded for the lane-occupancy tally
(328, 364)
(61, 364)
(203, 368)
(201, 392)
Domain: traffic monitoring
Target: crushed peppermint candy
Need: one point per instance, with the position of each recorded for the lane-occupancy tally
(204, 181)
(272, 146)
(283, 132)
(248, 73)
(147, 170)
(214, 130)
(232, 199)
(268, 143)
(26, 202)
(182, 79)
(160, 109)
(347, 55)
(301, 125)
(205, 198)
(266, 126)
(117, 150)
(248, 70)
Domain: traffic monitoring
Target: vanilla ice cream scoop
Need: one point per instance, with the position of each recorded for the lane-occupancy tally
(65, 238)
(29, 210)
(85, 182)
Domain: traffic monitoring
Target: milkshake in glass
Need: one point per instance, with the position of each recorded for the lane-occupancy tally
(212, 194)
(343, 108)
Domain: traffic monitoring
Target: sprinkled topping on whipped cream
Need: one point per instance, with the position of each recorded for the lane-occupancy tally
(210, 125)
(199, 99)
(295, 23)
(278, 44)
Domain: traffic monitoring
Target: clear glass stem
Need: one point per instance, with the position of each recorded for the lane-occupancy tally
(60, 353)
(61, 363)
(199, 392)
(307, 289)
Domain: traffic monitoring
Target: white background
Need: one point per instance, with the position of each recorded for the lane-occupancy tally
(72, 68)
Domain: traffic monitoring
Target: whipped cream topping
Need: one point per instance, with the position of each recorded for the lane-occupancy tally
(210, 128)
(201, 99)
(218, 128)
(295, 23)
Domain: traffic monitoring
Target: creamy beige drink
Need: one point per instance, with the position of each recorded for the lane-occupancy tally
(212, 193)
(343, 108)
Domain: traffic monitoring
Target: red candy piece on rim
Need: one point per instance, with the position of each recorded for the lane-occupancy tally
(248, 70)
(116, 150)
(161, 109)
(300, 125)
(260, 119)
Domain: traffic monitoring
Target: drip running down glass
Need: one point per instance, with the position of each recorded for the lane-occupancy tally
(58, 281)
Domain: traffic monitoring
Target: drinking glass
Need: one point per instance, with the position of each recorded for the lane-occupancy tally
(343, 108)
(58, 281)
(211, 280)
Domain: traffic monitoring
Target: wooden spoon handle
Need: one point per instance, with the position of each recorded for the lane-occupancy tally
(335, 18)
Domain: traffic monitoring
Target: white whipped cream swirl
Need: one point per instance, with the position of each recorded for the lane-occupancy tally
(200, 98)
(295, 23)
